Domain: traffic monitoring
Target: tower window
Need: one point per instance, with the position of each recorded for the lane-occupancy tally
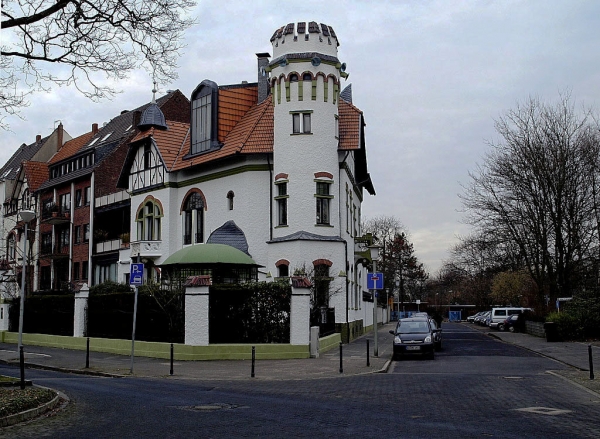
(301, 122)
(323, 203)
(230, 196)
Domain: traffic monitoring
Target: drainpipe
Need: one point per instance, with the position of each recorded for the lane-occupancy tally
(91, 240)
(270, 198)
(345, 247)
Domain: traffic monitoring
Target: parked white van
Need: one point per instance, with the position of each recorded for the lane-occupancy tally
(500, 314)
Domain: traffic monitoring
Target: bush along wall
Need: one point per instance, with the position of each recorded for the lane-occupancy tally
(256, 312)
(110, 315)
(44, 314)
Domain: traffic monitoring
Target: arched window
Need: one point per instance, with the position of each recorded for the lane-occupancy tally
(293, 77)
(148, 221)
(307, 77)
(230, 196)
(193, 220)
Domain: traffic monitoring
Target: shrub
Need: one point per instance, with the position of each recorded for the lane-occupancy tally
(567, 325)
(108, 287)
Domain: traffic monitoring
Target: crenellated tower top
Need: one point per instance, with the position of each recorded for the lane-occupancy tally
(304, 37)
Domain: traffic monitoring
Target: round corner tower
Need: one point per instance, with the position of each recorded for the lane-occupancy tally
(305, 86)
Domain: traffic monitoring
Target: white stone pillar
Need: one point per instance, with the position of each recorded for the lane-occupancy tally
(4, 307)
(196, 310)
(80, 317)
(300, 312)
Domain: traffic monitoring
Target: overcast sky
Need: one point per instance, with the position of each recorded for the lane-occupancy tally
(430, 77)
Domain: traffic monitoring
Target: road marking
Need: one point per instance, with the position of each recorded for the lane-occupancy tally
(543, 411)
(27, 353)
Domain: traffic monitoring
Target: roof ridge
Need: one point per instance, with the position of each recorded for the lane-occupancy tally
(187, 135)
(260, 115)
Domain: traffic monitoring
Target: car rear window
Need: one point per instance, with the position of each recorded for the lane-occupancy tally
(412, 327)
(500, 312)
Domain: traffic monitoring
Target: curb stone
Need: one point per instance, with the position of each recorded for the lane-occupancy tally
(35, 412)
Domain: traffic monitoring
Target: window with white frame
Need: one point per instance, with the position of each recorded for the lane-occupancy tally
(11, 247)
(301, 122)
(148, 222)
(281, 199)
(323, 197)
(193, 219)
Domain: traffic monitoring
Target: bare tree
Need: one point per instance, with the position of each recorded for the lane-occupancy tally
(81, 42)
(535, 192)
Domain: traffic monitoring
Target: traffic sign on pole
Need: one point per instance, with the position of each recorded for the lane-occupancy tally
(375, 281)
(136, 274)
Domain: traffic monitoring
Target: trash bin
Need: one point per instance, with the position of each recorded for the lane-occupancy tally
(551, 330)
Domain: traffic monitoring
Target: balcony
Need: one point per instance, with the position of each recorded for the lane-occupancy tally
(56, 214)
(146, 249)
(108, 246)
(54, 251)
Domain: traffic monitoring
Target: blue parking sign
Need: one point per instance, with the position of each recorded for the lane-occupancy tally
(375, 281)
(136, 274)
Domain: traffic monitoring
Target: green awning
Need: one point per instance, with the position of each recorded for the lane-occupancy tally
(210, 254)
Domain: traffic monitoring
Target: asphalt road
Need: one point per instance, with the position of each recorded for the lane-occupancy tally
(476, 387)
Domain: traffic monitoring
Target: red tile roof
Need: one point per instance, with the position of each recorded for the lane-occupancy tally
(349, 126)
(36, 173)
(244, 128)
(70, 148)
(233, 105)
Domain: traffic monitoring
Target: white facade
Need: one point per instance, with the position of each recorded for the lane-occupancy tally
(306, 170)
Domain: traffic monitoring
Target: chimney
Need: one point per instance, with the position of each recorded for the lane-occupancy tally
(59, 136)
(38, 138)
(263, 76)
(137, 116)
(94, 129)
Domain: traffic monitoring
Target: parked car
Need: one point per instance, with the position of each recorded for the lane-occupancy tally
(437, 335)
(514, 323)
(414, 335)
(480, 320)
(501, 314)
(471, 319)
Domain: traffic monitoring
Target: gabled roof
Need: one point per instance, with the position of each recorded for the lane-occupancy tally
(70, 148)
(25, 152)
(36, 173)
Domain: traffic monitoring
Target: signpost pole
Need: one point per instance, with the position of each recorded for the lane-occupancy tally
(376, 346)
(136, 276)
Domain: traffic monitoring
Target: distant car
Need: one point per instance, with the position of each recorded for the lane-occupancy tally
(481, 320)
(511, 324)
(419, 314)
(414, 335)
(437, 335)
(471, 319)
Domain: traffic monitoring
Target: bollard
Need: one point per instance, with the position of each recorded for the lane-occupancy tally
(591, 362)
(341, 359)
(368, 361)
(171, 371)
(253, 360)
(87, 354)
(22, 364)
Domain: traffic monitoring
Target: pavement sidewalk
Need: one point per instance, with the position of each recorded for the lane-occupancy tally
(354, 362)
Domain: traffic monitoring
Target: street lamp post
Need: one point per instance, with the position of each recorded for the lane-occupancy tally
(26, 216)
(374, 249)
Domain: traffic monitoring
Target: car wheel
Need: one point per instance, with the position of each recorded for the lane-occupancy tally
(500, 327)
(511, 329)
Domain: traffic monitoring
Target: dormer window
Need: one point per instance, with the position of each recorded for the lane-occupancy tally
(204, 117)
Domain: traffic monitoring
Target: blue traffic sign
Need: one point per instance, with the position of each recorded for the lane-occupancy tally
(136, 274)
(375, 281)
